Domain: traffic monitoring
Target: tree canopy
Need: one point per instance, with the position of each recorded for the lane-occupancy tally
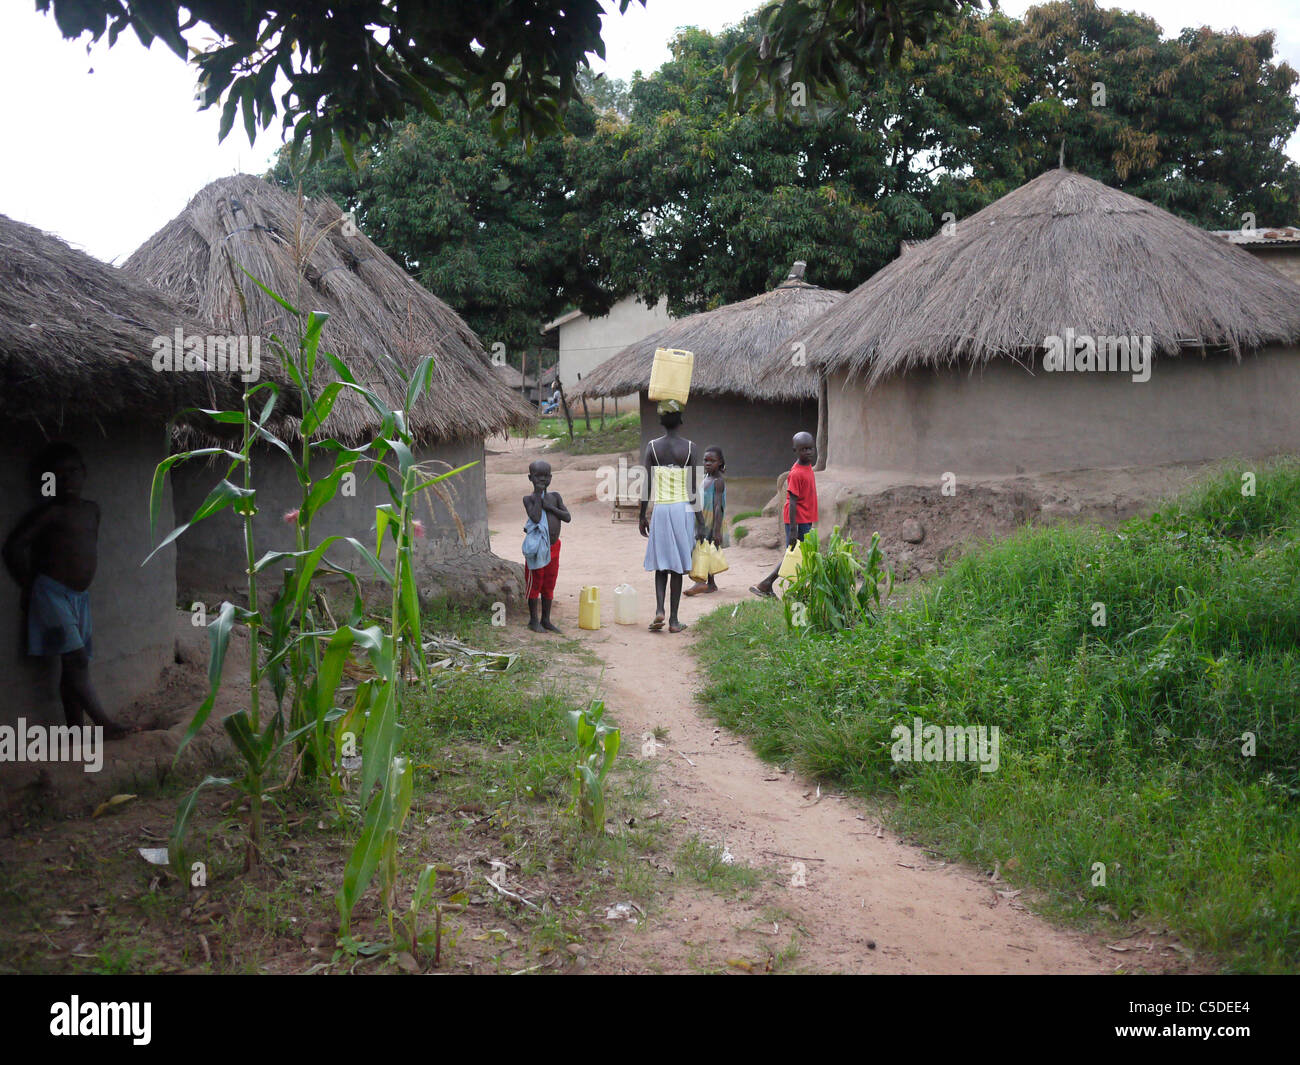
(356, 68)
(664, 190)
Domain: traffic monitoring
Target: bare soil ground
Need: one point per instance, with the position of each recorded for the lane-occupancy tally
(868, 901)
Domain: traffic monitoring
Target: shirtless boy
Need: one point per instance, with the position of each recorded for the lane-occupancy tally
(52, 554)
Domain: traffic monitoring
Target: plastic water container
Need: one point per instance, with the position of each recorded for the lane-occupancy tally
(670, 376)
(625, 604)
(589, 607)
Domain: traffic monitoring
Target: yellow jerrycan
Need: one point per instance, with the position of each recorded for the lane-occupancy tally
(589, 607)
(670, 375)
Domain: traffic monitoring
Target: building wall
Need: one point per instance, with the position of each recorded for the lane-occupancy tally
(211, 562)
(754, 437)
(1284, 258)
(587, 342)
(1002, 419)
(132, 608)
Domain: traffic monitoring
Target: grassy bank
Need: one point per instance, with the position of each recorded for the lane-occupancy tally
(1129, 674)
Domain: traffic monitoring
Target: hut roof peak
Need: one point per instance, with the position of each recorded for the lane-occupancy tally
(382, 321)
(1063, 251)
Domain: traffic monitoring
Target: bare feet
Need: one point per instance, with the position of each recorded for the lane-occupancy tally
(699, 588)
(550, 626)
(536, 625)
(761, 592)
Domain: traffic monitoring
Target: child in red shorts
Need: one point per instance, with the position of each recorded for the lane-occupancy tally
(541, 581)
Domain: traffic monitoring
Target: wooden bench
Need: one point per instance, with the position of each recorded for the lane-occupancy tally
(626, 508)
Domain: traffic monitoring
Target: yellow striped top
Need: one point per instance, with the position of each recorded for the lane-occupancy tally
(669, 484)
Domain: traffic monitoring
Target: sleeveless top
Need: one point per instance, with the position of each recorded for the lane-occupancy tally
(668, 482)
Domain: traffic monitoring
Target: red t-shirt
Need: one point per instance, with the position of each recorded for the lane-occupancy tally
(803, 483)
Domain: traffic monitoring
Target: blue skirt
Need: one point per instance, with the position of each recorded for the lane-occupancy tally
(672, 537)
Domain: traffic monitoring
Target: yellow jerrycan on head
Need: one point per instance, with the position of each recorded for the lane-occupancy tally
(589, 607)
(670, 376)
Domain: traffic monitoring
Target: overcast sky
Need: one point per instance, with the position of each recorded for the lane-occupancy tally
(103, 148)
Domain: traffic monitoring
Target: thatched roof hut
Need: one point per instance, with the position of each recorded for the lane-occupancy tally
(381, 319)
(381, 323)
(76, 363)
(76, 338)
(727, 390)
(949, 340)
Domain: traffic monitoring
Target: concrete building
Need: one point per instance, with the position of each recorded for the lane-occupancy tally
(585, 342)
(1278, 246)
(970, 354)
(382, 322)
(76, 365)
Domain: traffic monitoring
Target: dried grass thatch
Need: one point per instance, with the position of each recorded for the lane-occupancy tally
(728, 343)
(1061, 252)
(380, 317)
(76, 338)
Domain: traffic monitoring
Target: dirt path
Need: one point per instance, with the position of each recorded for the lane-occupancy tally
(871, 903)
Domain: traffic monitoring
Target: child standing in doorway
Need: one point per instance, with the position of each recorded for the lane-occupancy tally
(52, 553)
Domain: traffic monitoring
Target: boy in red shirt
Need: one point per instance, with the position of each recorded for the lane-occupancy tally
(800, 513)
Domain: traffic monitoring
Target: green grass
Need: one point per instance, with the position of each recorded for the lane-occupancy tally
(1120, 743)
(620, 434)
(708, 864)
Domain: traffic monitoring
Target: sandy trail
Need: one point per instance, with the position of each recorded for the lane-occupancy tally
(872, 904)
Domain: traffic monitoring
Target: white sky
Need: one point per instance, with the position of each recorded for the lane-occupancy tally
(104, 159)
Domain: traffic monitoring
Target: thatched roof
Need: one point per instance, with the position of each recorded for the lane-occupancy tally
(380, 317)
(76, 338)
(1061, 252)
(728, 344)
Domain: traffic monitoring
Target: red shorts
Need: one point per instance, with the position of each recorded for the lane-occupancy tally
(541, 582)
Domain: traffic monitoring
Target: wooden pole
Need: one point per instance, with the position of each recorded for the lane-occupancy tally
(822, 428)
(565, 404)
(602, 412)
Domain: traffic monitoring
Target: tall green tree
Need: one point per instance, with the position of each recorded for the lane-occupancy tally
(1197, 123)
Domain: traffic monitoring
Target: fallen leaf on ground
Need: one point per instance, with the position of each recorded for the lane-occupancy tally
(108, 804)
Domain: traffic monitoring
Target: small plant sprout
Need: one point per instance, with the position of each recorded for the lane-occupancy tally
(597, 747)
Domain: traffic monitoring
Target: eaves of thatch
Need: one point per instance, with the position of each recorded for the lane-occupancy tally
(76, 339)
(1061, 252)
(381, 321)
(727, 343)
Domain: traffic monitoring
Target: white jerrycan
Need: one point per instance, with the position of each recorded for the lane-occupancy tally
(625, 604)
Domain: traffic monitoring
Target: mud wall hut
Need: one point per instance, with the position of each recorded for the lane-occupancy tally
(752, 419)
(381, 323)
(76, 365)
(1067, 325)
